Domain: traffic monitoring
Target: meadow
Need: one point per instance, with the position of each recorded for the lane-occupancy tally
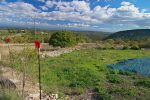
(85, 71)
(81, 74)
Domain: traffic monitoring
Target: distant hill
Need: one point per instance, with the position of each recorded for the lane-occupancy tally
(94, 35)
(138, 34)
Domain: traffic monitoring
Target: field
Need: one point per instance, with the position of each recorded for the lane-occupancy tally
(74, 50)
(84, 72)
(76, 72)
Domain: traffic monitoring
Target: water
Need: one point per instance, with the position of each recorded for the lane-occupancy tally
(138, 65)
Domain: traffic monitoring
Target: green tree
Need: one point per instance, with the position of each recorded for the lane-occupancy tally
(63, 39)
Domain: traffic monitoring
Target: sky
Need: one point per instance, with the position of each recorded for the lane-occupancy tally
(84, 15)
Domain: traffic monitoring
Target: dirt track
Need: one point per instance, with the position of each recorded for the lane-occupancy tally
(46, 50)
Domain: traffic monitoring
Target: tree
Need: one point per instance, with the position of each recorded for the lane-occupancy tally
(63, 39)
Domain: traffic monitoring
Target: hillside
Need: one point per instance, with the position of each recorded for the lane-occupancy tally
(138, 34)
(95, 35)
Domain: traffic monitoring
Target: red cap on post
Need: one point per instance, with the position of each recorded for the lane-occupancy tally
(7, 40)
(37, 44)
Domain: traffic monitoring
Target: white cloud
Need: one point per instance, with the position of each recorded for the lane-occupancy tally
(103, 12)
(124, 3)
(80, 6)
(78, 12)
(18, 9)
(50, 4)
(75, 25)
(44, 8)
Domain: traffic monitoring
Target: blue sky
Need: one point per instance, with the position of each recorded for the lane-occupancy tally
(92, 15)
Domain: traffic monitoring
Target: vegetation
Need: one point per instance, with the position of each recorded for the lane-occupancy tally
(114, 79)
(28, 36)
(133, 39)
(139, 34)
(144, 83)
(84, 70)
(9, 95)
(63, 39)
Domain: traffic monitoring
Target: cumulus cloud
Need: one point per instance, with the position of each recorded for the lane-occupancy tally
(44, 8)
(78, 12)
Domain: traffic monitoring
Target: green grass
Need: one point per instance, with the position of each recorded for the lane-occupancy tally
(80, 71)
(9, 95)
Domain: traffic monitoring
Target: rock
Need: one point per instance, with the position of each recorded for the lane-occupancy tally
(14, 80)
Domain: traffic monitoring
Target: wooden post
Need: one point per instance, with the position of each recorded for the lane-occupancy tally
(39, 73)
(0, 57)
(10, 59)
(37, 45)
(23, 76)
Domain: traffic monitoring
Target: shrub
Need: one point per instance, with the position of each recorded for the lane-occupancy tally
(127, 73)
(123, 91)
(63, 39)
(125, 47)
(114, 78)
(144, 83)
(135, 47)
(119, 41)
(102, 94)
(114, 71)
(110, 41)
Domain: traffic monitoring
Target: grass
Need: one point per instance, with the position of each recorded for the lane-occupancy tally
(9, 95)
(114, 79)
(80, 71)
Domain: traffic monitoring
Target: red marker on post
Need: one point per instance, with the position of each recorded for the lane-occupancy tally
(7, 40)
(37, 46)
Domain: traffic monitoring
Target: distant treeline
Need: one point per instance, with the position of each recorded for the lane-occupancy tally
(128, 39)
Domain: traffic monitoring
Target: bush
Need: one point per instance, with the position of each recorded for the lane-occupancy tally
(114, 78)
(135, 47)
(114, 71)
(144, 83)
(125, 47)
(102, 94)
(119, 42)
(110, 41)
(127, 73)
(123, 91)
(63, 39)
